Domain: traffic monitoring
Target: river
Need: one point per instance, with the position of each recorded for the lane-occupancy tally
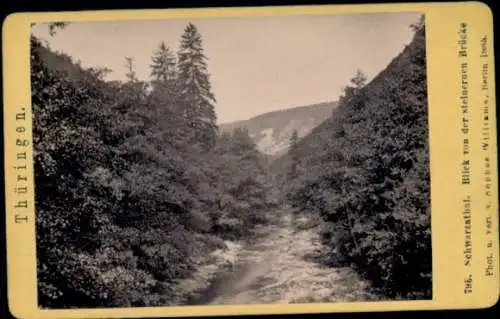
(278, 269)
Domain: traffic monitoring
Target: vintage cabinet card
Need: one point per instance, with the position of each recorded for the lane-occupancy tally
(270, 160)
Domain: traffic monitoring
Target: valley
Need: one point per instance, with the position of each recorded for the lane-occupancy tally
(144, 200)
(271, 132)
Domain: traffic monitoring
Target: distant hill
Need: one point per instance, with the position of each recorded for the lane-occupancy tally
(271, 131)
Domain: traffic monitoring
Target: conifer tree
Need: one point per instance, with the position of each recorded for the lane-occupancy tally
(196, 94)
(132, 92)
(294, 139)
(359, 79)
(163, 71)
(129, 64)
(164, 95)
(356, 83)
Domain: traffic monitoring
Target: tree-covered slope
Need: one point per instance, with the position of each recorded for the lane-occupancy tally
(271, 131)
(135, 188)
(365, 171)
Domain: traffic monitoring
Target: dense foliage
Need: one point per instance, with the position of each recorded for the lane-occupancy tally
(134, 185)
(365, 171)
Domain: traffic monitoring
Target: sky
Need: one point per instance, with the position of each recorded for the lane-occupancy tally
(256, 64)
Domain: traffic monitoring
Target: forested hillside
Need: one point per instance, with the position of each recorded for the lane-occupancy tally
(365, 172)
(271, 131)
(135, 187)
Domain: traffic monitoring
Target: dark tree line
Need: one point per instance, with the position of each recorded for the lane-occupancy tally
(365, 171)
(135, 186)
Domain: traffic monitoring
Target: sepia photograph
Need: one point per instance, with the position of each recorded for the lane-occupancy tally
(231, 160)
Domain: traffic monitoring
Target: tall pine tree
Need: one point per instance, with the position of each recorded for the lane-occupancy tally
(196, 95)
(163, 71)
(164, 95)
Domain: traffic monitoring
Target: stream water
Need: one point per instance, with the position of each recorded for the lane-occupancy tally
(276, 269)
